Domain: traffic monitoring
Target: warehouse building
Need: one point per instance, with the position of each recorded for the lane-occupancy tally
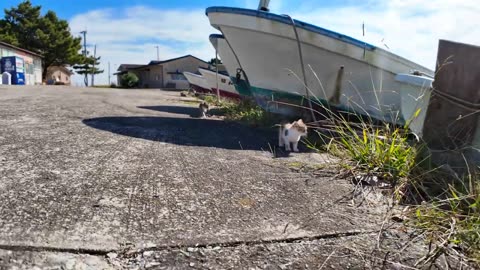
(32, 62)
(163, 74)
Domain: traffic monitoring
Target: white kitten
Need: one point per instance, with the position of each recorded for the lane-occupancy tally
(291, 133)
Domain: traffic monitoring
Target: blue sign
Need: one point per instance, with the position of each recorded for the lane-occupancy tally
(15, 66)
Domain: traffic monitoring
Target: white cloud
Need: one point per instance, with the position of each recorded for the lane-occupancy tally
(129, 36)
(410, 28)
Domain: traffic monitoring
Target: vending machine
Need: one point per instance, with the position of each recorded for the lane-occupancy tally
(16, 67)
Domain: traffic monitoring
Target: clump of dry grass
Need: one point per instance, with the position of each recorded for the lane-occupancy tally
(446, 207)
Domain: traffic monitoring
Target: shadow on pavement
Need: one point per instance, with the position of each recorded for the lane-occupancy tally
(192, 111)
(188, 131)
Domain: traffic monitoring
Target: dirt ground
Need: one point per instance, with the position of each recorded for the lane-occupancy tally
(133, 179)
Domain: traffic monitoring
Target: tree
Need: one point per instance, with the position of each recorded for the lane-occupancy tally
(20, 24)
(214, 61)
(47, 35)
(129, 80)
(88, 65)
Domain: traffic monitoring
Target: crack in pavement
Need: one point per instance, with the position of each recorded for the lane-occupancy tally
(228, 244)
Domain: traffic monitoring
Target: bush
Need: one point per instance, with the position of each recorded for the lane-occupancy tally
(129, 80)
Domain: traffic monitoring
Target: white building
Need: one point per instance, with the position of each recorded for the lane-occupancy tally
(163, 74)
(33, 62)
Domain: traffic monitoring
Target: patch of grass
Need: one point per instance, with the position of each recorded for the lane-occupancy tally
(379, 150)
(450, 216)
(213, 100)
(446, 207)
(245, 111)
(305, 167)
(102, 86)
(296, 165)
(191, 102)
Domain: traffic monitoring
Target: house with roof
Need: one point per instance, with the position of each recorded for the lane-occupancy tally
(163, 74)
(59, 75)
(32, 62)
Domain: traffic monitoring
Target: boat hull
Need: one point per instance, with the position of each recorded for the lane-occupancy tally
(415, 97)
(225, 85)
(197, 82)
(231, 64)
(339, 70)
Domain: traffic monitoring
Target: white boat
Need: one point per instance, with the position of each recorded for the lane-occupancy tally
(197, 82)
(350, 74)
(231, 64)
(415, 97)
(225, 85)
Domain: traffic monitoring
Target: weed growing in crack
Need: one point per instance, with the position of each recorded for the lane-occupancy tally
(446, 207)
(450, 212)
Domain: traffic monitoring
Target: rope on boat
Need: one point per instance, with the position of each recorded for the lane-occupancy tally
(238, 61)
(303, 66)
(457, 101)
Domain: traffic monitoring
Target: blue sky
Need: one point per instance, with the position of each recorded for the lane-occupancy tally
(67, 9)
(128, 31)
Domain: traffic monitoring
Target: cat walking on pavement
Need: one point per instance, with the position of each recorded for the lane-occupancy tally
(291, 133)
(203, 107)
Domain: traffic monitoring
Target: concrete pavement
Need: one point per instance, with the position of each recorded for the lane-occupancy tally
(112, 179)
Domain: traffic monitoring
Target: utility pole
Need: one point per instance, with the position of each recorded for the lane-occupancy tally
(109, 83)
(216, 74)
(85, 53)
(158, 55)
(93, 64)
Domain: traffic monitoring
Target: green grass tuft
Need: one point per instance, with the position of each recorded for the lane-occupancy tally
(245, 111)
(451, 216)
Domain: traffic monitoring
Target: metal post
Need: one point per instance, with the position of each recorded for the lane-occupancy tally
(263, 5)
(85, 54)
(216, 74)
(158, 55)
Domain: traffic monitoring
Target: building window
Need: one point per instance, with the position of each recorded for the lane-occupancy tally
(178, 77)
(28, 68)
(37, 63)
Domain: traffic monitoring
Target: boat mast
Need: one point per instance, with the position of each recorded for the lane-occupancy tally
(263, 5)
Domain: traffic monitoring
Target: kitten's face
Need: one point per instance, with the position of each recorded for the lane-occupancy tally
(300, 127)
(203, 106)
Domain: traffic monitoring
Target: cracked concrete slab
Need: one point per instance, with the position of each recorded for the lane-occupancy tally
(95, 170)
